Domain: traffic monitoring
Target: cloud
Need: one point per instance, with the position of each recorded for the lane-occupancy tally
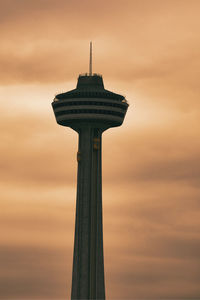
(152, 242)
(159, 154)
(36, 155)
(149, 51)
(154, 279)
(34, 273)
(49, 50)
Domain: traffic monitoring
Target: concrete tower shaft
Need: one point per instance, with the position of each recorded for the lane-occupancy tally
(89, 110)
(88, 264)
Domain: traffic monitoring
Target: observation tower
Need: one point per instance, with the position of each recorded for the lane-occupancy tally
(89, 109)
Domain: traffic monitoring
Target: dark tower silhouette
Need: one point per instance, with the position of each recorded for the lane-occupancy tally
(89, 110)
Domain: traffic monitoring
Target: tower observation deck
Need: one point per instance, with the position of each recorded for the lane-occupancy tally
(89, 110)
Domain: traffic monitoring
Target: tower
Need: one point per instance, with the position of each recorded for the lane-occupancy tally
(89, 109)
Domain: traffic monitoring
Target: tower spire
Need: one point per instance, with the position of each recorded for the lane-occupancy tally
(90, 67)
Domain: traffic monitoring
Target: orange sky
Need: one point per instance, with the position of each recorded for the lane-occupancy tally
(147, 50)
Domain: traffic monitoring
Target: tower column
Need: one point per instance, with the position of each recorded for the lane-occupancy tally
(88, 263)
(89, 109)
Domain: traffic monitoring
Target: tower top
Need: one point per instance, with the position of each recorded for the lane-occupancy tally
(90, 85)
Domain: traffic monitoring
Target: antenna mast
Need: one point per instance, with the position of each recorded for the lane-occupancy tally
(90, 67)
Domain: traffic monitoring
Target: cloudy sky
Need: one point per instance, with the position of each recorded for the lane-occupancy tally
(147, 50)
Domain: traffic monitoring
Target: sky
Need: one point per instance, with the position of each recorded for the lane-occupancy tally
(148, 51)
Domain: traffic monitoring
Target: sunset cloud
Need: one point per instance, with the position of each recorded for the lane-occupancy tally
(149, 52)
